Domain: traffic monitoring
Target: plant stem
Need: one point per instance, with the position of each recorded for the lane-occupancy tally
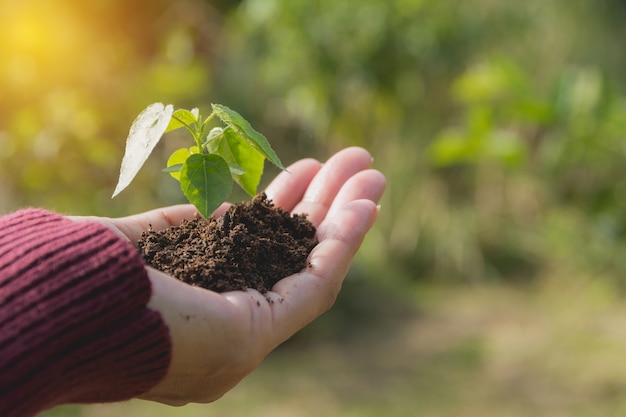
(193, 130)
(208, 119)
(202, 128)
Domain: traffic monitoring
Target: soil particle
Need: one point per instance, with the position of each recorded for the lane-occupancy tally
(253, 245)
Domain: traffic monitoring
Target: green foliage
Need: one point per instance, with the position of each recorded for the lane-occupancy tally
(204, 170)
(488, 119)
(499, 125)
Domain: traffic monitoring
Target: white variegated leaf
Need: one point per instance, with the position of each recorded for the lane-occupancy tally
(145, 133)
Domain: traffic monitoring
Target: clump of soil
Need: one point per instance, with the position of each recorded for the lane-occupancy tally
(253, 245)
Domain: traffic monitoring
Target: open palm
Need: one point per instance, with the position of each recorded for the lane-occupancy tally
(219, 338)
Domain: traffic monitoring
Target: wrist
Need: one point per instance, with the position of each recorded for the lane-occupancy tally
(73, 324)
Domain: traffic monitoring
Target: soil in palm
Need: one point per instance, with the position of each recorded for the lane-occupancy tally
(253, 245)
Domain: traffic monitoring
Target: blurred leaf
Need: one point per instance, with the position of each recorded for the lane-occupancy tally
(489, 80)
(579, 92)
(506, 148)
(451, 147)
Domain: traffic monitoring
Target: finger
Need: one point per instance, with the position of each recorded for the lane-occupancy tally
(158, 219)
(329, 180)
(289, 186)
(306, 295)
(133, 226)
(365, 185)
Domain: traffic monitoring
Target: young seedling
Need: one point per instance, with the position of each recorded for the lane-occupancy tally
(207, 169)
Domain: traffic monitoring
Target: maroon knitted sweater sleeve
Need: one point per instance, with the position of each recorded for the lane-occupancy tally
(74, 326)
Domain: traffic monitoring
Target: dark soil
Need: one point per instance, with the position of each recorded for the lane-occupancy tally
(253, 245)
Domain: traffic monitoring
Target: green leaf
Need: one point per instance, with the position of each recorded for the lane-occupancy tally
(214, 133)
(173, 168)
(206, 182)
(178, 157)
(241, 126)
(451, 147)
(236, 169)
(237, 151)
(144, 134)
(183, 118)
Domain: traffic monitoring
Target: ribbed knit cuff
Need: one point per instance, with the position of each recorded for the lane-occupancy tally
(74, 326)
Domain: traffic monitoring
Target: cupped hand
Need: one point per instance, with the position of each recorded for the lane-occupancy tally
(218, 339)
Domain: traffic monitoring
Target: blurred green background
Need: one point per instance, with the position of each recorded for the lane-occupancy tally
(492, 284)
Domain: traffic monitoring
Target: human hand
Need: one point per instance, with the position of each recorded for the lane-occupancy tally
(219, 338)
